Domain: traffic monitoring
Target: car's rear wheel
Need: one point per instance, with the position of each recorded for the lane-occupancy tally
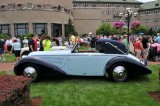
(118, 73)
(31, 71)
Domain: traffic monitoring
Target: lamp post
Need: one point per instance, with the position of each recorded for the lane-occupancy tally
(128, 15)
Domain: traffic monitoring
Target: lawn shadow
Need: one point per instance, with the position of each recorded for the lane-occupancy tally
(91, 79)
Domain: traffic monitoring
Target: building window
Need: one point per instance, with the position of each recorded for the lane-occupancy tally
(116, 20)
(108, 12)
(147, 20)
(156, 28)
(136, 6)
(38, 27)
(146, 12)
(117, 5)
(20, 29)
(117, 12)
(109, 20)
(156, 11)
(75, 4)
(85, 4)
(94, 5)
(108, 5)
(56, 29)
(4, 29)
(156, 20)
(156, 5)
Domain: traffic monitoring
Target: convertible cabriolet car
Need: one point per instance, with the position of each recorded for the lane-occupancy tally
(109, 59)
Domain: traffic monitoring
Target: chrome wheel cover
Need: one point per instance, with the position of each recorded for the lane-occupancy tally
(119, 73)
(30, 72)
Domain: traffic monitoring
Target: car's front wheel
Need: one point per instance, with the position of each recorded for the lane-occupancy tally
(30, 70)
(118, 73)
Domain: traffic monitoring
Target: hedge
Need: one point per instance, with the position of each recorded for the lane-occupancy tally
(14, 91)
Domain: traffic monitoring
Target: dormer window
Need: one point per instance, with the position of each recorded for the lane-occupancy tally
(156, 5)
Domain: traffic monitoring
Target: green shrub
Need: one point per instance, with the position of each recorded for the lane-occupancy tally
(84, 35)
(4, 36)
(28, 36)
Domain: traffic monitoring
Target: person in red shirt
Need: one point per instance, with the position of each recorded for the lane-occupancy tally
(36, 39)
(139, 48)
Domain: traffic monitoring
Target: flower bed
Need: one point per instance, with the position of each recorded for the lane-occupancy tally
(14, 91)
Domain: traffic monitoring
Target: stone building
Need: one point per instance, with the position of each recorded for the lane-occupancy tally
(89, 14)
(149, 14)
(18, 17)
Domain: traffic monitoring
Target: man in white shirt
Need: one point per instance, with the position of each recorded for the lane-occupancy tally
(25, 42)
(9, 44)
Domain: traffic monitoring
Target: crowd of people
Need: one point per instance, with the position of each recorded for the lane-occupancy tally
(43, 42)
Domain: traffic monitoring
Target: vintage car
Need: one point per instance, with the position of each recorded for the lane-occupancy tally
(109, 59)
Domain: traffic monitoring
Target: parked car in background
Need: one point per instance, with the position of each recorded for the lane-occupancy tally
(109, 59)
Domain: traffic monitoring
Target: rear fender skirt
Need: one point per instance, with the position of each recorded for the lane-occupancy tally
(133, 66)
(45, 68)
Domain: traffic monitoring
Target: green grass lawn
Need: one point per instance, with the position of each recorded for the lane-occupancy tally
(9, 58)
(97, 91)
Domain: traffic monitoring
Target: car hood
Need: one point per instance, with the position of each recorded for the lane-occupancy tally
(54, 52)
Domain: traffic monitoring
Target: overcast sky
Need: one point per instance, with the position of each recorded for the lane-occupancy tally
(146, 0)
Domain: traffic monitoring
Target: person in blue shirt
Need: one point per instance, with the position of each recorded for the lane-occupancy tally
(16, 46)
(158, 38)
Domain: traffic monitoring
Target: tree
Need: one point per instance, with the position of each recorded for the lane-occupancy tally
(105, 29)
(140, 29)
(150, 31)
(70, 28)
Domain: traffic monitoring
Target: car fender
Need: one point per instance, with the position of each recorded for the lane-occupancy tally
(45, 68)
(134, 67)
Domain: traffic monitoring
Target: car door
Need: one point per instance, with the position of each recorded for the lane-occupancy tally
(86, 64)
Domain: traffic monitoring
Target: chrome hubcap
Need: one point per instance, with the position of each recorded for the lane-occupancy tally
(119, 73)
(30, 72)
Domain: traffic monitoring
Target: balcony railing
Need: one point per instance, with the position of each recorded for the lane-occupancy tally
(46, 7)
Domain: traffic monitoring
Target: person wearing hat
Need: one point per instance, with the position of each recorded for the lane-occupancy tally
(25, 42)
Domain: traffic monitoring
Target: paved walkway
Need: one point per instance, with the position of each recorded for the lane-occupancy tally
(6, 66)
(10, 66)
